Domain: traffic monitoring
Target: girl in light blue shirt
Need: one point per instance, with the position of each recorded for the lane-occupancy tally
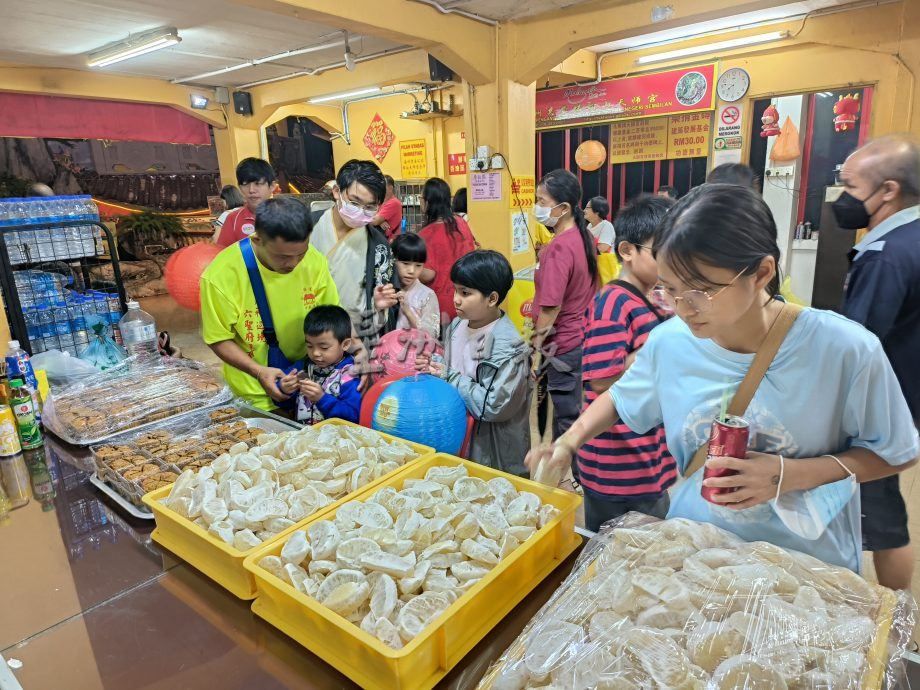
(829, 410)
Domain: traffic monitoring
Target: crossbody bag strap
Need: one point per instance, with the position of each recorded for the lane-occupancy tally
(258, 290)
(751, 382)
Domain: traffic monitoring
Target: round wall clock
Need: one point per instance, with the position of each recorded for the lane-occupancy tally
(733, 84)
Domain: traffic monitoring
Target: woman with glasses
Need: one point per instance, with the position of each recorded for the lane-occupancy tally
(828, 413)
(447, 237)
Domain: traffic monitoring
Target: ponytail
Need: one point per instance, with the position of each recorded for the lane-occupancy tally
(587, 240)
(563, 187)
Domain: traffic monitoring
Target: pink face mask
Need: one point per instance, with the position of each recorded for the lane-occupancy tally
(354, 216)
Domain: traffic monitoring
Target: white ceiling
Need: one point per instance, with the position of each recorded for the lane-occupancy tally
(506, 10)
(215, 34)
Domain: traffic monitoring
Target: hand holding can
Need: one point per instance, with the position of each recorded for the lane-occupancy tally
(728, 438)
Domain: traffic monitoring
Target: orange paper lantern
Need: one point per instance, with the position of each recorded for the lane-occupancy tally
(590, 155)
(183, 273)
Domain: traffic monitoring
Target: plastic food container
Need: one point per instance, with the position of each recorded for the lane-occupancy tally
(220, 561)
(440, 646)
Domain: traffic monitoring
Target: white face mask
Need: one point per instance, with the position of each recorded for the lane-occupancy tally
(808, 513)
(544, 216)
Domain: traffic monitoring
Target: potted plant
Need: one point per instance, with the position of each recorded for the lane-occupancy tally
(146, 233)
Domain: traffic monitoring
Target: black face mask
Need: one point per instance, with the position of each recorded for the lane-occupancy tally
(850, 212)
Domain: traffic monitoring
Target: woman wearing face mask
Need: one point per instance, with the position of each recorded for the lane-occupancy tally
(566, 282)
(827, 414)
(447, 237)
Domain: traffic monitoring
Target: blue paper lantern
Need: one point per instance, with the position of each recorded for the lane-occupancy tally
(423, 409)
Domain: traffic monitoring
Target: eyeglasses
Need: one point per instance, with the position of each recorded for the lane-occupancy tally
(353, 207)
(698, 300)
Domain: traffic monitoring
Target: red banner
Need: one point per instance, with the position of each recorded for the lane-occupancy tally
(663, 93)
(25, 115)
(456, 163)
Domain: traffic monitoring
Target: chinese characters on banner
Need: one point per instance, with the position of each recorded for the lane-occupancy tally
(663, 93)
(688, 135)
(456, 163)
(379, 138)
(523, 191)
(660, 138)
(639, 140)
(413, 158)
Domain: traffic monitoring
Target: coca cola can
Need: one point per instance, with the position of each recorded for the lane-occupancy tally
(727, 439)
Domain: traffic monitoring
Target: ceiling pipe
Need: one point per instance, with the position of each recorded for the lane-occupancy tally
(260, 61)
(448, 10)
(346, 133)
(325, 68)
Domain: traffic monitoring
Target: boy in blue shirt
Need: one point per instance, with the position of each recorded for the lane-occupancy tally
(326, 388)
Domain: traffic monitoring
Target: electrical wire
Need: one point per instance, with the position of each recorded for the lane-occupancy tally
(520, 206)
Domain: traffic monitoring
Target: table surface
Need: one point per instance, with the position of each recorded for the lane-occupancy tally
(91, 603)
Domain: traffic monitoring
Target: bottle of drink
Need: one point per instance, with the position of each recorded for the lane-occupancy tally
(9, 432)
(62, 326)
(33, 330)
(10, 237)
(45, 321)
(23, 408)
(138, 331)
(19, 364)
(78, 323)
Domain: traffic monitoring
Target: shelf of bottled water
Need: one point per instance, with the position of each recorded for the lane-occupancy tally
(51, 243)
(57, 318)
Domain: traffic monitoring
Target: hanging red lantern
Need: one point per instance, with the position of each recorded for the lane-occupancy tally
(847, 112)
(183, 273)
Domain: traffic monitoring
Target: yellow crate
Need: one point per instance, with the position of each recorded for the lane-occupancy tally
(427, 658)
(220, 561)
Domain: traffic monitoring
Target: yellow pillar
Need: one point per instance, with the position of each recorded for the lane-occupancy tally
(501, 115)
(233, 144)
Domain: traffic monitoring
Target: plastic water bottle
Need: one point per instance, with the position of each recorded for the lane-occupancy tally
(62, 326)
(19, 364)
(45, 321)
(138, 331)
(11, 238)
(30, 314)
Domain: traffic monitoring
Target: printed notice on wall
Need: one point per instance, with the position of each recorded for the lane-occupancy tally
(413, 159)
(520, 232)
(486, 186)
(523, 190)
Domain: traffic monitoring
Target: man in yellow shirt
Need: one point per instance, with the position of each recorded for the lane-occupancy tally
(296, 279)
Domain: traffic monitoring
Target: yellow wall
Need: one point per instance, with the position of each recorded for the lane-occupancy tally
(442, 136)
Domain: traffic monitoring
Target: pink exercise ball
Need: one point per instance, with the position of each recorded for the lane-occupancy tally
(183, 273)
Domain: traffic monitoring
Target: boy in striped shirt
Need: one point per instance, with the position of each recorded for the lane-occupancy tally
(621, 470)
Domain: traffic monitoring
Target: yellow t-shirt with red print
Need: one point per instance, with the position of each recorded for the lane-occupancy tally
(229, 311)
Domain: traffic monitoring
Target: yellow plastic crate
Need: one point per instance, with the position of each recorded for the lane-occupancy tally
(220, 561)
(428, 658)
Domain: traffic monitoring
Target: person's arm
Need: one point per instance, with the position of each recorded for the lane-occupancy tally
(759, 474)
(500, 394)
(347, 406)
(600, 415)
(429, 319)
(407, 310)
(545, 320)
(231, 353)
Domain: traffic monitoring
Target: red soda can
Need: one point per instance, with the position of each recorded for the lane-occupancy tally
(728, 439)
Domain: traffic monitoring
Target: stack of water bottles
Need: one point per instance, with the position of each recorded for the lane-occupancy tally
(50, 244)
(61, 321)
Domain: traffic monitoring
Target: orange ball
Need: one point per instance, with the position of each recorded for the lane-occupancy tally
(590, 155)
(183, 273)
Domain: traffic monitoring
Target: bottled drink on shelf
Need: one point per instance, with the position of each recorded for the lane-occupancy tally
(138, 331)
(45, 321)
(62, 326)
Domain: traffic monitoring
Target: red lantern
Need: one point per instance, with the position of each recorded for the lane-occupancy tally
(590, 155)
(183, 273)
(847, 111)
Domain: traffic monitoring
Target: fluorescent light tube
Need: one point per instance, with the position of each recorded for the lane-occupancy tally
(343, 96)
(133, 47)
(713, 47)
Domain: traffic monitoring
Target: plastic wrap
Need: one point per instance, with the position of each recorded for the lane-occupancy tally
(138, 462)
(129, 396)
(683, 605)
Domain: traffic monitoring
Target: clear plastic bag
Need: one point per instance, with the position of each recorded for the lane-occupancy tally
(678, 604)
(62, 368)
(102, 352)
(133, 394)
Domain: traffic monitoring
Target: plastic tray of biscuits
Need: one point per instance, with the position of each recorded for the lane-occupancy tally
(138, 462)
(133, 395)
(681, 604)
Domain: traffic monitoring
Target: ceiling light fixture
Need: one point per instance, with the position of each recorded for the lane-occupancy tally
(713, 47)
(134, 46)
(349, 56)
(343, 96)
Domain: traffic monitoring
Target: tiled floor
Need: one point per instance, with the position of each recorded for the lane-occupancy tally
(184, 328)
